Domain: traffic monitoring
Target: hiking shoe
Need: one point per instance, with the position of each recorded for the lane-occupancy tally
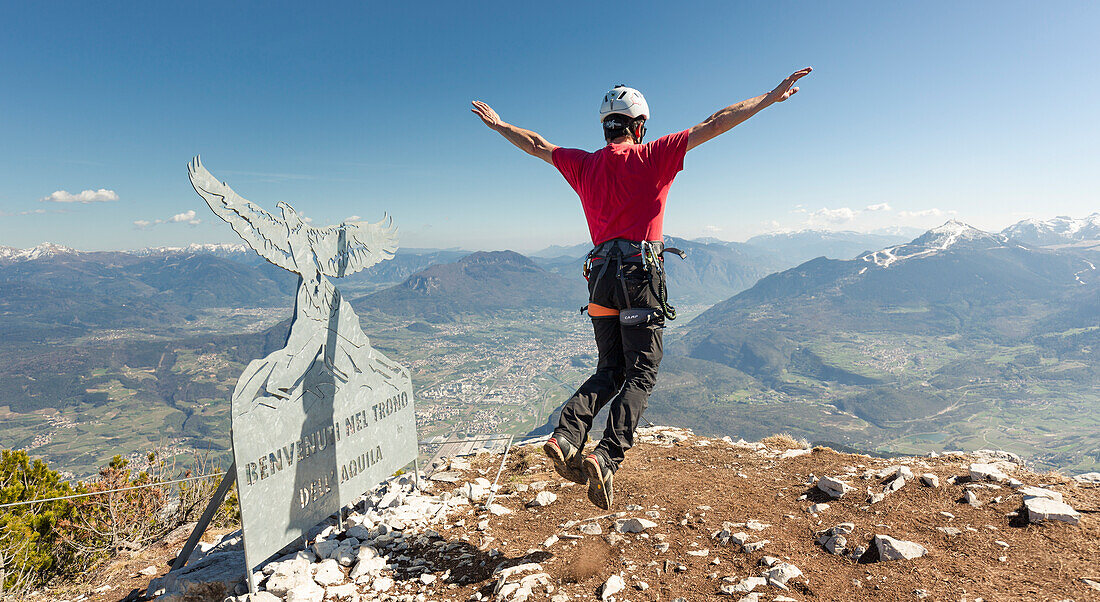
(566, 459)
(600, 491)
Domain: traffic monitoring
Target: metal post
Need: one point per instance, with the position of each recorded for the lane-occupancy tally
(416, 472)
(503, 459)
(204, 520)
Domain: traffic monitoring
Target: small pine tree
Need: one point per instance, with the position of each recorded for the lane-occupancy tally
(28, 533)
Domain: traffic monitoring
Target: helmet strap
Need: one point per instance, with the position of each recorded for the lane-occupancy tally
(639, 131)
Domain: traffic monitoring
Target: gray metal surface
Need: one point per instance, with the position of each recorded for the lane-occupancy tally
(320, 421)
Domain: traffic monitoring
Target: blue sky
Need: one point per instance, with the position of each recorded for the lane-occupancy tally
(981, 111)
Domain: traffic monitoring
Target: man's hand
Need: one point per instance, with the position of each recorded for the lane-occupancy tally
(786, 88)
(487, 114)
(526, 140)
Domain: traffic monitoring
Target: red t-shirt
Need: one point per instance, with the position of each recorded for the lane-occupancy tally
(623, 187)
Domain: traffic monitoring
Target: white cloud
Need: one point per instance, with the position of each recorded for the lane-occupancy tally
(352, 218)
(878, 207)
(711, 229)
(187, 217)
(833, 216)
(84, 196)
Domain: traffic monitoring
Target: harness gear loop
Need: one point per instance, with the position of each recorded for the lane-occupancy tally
(652, 260)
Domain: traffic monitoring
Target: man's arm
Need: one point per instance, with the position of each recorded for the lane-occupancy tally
(526, 140)
(724, 120)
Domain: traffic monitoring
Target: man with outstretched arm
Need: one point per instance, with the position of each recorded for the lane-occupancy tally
(623, 188)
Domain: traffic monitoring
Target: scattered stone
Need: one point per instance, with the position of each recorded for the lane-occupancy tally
(498, 510)
(929, 480)
(1089, 582)
(947, 515)
(329, 573)
(591, 529)
(836, 544)
(897, 549)
(779, 574)
(755, 546)
(1040, 492)
(817, 508)
(1042, 508)
(1088, 477)
(833, 486)
(755, 525)
(544, 498)
(987, 472)
(949, 531)
(382, 584)
(642, 586)
(633, 525)
(348, 591)
(148, 571)
(699, 553)
(969, 497)
(306, 592)
(553, 539)
(744, 586)
(612, 586)
(897, 483)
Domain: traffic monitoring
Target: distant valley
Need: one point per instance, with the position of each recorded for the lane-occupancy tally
(954, 338)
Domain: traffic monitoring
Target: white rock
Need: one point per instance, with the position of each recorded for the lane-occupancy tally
(1040, 492)
(553, 539)
(591, 529)
(897, 549)
(929, 480)
(306, 592)
(346, 592)
(381, 584)
(756, 545)
(897, 483)
(781, 573)
(427, 578)
(544, 498)
(633, 525)
(1042, 508)
(329, 573)
(148, 571)
(699, 553)
(612, 586)
(367, 567)
(833, 486)
(817, 508)
(1088, 477)
(987, 472)
(498, 510)
(971, 498)
(745, 585)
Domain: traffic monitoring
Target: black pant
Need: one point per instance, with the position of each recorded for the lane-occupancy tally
(627, 368)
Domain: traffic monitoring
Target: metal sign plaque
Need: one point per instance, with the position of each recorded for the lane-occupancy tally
(327, 417)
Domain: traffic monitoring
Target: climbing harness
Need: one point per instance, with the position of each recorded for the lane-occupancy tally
(651, 255)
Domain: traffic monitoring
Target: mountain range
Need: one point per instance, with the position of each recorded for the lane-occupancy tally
(894, 342)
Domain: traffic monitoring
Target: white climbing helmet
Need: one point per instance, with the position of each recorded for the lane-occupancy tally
(622, 100)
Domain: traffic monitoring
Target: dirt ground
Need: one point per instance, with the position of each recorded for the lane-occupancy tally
(695, 485)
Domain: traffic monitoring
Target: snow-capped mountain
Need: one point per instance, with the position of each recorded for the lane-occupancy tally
(1060, 230)
(46, 249)
(219, 249)
(950, 235)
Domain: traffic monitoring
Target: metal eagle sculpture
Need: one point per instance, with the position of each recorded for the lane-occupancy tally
(325, 329)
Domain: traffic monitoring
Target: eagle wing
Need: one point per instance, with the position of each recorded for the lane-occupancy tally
(352, 246)
(265, 233)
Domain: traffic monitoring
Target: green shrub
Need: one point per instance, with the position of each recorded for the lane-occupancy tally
(29, 534)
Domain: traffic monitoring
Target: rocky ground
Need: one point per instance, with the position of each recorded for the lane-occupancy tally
(694, 519)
